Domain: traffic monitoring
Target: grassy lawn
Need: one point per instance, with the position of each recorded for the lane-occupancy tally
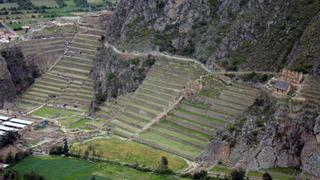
(48, 112)
(48, 3)
(130, 152)
(58, 168)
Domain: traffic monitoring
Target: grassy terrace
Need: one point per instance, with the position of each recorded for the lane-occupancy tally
(188, 128)
(134, 111)
(115, 149)
(68, 83)
(57, 168)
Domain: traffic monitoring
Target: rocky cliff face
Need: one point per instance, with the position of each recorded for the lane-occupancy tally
(7, 91)
(16, 73)
(271, 134)
(116, 75)
(239, 34)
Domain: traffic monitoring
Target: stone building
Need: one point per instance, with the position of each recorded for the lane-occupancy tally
(292, 77)
(281, 87)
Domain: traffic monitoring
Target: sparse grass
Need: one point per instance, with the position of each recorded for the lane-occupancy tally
(58, 168)
(129, 152)
(48, 112)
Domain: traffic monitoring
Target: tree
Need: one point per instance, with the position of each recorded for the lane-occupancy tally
(56, 150)
(66, 148)
(9, 138)
(32, 176)
(86, 155)
(19, 156)
(202, 175)
(238, 174)
(164, 166)
(10, 159)
(266, 176)
(11, 175)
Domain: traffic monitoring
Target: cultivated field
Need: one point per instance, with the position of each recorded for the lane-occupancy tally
(58, 168)
(118, 150)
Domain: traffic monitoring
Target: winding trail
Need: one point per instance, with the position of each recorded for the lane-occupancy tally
(181, 58)
(157, 54)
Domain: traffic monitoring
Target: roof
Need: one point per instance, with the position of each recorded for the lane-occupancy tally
(282, 85)
(15, 125)
(20, 121)
(4, 118)
(5, 128)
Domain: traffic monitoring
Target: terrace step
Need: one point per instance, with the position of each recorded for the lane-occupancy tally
(199, 119)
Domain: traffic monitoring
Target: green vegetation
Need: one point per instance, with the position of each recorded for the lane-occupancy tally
(115, 149)
(57, 168)
(51, 113)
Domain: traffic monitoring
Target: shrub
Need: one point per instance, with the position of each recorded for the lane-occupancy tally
(11, 175)
(266, 176)
(33, 176)
(10, 159)
(238, 174)
(56, 150)
(202, 175)
(9, 138)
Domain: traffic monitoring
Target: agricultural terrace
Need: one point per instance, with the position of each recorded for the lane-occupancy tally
(67, 118)
(188, 128)
(67, 84)
(115, 149)
(310, 90)
(276, 173)
(57, 168)
(131, 112)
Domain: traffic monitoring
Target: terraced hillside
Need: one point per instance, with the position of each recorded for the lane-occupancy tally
(310, 92)
(188, 128)
(45, 51)
(67, 84)
(162, 87)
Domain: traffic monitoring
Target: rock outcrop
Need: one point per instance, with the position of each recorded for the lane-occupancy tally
(269, 135)
(16, 74)
(116, 75)
(239, 34)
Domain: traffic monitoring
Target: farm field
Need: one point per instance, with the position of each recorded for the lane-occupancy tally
(116, 149)
(58, 168)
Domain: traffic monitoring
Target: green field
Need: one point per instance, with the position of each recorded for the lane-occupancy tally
(51, 113)
(47, 3)
(129, 152)
(59, 168)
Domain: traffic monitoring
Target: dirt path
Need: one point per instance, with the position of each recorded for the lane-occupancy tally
(221, 71)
